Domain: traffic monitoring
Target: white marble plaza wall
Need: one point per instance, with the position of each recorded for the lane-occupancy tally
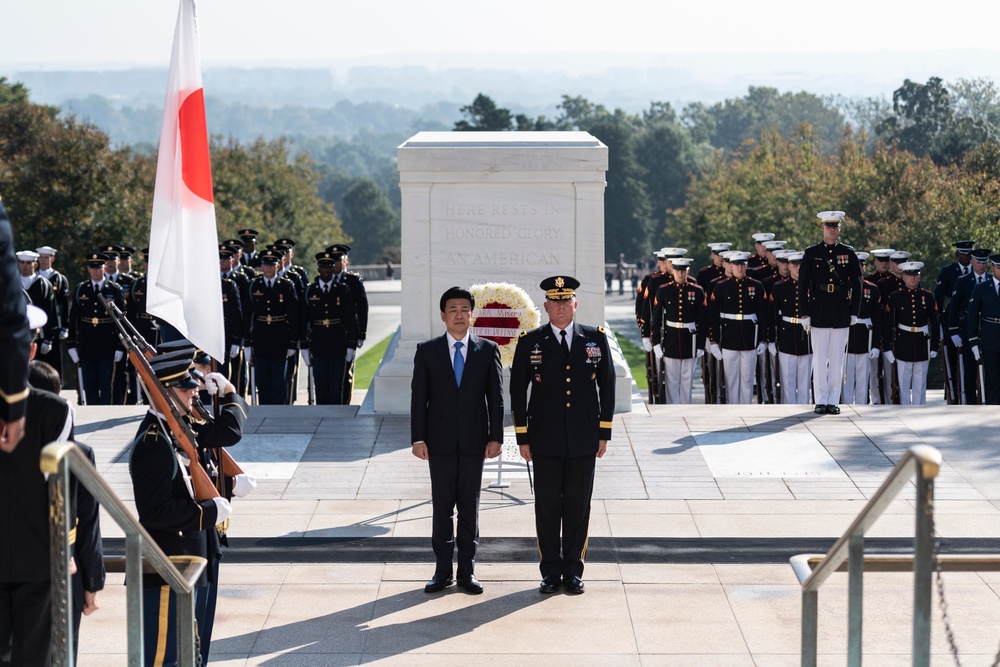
(489, 207)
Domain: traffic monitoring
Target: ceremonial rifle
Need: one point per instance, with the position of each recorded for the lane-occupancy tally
(949, 390)
(164, 403)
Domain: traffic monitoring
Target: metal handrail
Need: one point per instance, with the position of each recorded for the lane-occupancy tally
(925, 462)
(59, 460)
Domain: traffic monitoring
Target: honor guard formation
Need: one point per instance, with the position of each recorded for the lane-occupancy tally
(814, 327)
(274, 316)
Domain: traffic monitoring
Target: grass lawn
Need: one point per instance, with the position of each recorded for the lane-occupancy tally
(364, 369)
(635, 357)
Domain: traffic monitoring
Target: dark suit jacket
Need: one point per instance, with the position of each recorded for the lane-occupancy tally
(452, 418)
(982, 315)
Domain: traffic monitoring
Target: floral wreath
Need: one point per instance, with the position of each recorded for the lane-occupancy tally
(503, 311)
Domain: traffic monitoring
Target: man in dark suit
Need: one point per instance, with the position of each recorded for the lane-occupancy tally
(456, 422)
(564, 428)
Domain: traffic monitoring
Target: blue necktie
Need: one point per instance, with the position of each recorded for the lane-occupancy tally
(459, 363)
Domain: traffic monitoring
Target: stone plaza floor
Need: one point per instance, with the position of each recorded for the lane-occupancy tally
(696, 510)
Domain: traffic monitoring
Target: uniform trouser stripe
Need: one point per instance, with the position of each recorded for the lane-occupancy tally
(162, 625)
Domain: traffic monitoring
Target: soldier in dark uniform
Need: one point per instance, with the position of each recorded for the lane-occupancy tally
(356, 285)
(564, 427)
(41, 295)
(123, 378)
(93, 338)
(886, 286)
(250, 256)
(15, 339)
(288, 261)
(60, 290)
(713, 270)
(235, 366)
(735, 331)
(863, 342)
(180, 524)
(829, 299)
(982, 326)
(877, 381)
(275, 330)
(911, 331)
(954, 324)
(331, 331)
(767, 274)
(759, 257)
(144, 323)
(232, 312)
(678, 331)
(25, 577)
(788, 341)
(770, 266)
(640, 295)
(943, 289)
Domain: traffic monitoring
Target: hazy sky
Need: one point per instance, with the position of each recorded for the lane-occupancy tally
(84, 33)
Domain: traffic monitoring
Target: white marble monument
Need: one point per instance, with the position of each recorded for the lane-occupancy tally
(489, 207)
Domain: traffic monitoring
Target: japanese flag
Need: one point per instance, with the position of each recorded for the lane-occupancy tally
(184, 286)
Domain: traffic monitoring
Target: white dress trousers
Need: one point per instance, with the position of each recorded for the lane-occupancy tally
(829, 355)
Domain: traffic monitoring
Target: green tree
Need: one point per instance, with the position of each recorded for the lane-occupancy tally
(371, 220)
(483, 115)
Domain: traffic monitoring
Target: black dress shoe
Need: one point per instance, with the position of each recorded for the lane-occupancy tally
(832, 410)
(470, 584)
(549, 585)
(574, 586)
(438, 583)
(820, 409)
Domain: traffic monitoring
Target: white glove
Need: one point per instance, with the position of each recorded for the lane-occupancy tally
(361, 343)
(74, 355)
(933, 354)
(890, 357)
(760, 348)
(45, 347)
(772, 348)
(306, 358)
(350, 355)
(63, 334)
(215, 383)
(290, 352)
(975, 352)
(223, 508)
(874, 353)
(806, 323)
(243, 484)
(658, 352)
(647, 345)
(956, 340)
(854, 320)
(119, 355)
(714, 350)
(698, 354)
(234, 351)
(248, 353)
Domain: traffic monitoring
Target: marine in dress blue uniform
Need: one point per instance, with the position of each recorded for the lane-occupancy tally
(562, 428)
(736, 331)
(680, 315)
(829, 299)
(787, 337)
(911, 330)
(864, 342)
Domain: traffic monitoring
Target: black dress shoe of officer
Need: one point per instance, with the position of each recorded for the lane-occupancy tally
(832, 410)
(820, 409)
(438, 583)
(574, 586)
(549, 585)
(470, 584)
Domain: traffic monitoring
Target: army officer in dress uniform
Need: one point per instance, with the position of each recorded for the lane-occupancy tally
(331, 331)
(563, 428)
(829, 298)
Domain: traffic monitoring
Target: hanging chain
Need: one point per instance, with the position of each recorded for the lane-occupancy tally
(949, 631)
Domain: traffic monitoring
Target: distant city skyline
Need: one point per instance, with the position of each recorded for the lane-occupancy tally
(68, 34)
